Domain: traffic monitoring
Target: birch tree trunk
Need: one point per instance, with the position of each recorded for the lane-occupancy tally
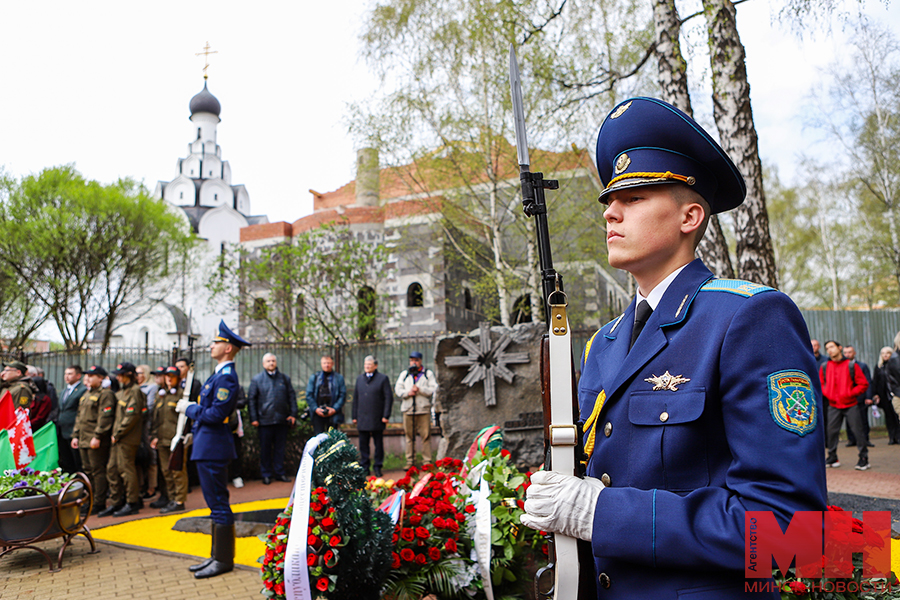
(673, 82)
(737, 133)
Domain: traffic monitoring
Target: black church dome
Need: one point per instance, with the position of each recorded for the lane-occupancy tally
(205, 102)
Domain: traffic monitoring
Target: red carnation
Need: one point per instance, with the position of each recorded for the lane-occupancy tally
(450, 546)
(334, 541)
(269, 584)
(315, 507)
(422, 533)
(395, 560)
(434, 554)
(311, 560)
(407, 534)
(279, 588)
(322, 584)
(504, 453)
(323, 498)
(420, 558)
(470, 508)
(408, 555)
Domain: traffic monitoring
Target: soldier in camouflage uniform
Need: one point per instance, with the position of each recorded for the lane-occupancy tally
(164, 428)
(126, 439)
(92, 431)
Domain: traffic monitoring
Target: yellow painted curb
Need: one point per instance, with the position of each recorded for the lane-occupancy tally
(157, 533)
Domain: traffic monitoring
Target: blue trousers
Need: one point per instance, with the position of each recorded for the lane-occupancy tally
(272, 439)
(214, 483)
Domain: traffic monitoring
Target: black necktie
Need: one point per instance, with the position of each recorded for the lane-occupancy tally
(641, 314)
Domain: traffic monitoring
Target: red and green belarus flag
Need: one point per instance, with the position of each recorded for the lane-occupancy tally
(18, 447)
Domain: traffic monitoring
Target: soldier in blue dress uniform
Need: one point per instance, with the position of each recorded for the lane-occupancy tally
(701, 401)
(214, 448)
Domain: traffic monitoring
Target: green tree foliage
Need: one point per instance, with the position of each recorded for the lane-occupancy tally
(319, 287)
(86, 252)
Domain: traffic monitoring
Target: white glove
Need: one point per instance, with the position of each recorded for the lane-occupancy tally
(562, 504)
(182, 405)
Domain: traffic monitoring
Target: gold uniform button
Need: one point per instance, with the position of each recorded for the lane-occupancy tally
(607, 430)
(605, 480)
(664, 417)
(604, 581)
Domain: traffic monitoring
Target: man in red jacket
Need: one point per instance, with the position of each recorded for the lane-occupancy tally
(842, 382)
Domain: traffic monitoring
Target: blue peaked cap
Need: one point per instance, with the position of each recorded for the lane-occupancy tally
(645, 141)
(227, 335)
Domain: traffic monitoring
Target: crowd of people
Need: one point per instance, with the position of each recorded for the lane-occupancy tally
(118, 426)
(851, 391)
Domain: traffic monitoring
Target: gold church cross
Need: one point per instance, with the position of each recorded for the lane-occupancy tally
(206, 54)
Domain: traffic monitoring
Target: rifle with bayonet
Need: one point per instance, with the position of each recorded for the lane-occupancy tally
(182, 440)
(562, 578)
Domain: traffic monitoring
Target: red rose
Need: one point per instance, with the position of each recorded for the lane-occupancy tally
(434, 554)
(422, 533)
(311, 560)
(408, 555)
(395, 560)
(415, 519)
(328, 524)
(323, 499)
(395, 539)
(420, 558)
(450, 546)
(403, 482)
(504, 453)
(314, 541)
(334, 541)
(312, 521)
(453, 526)
(269, 584)
(328, 555)
(470, 508)
(439, 476)
(460, 517)
(279, 588)
(438, 523)
(407, 534)
(427, 467)
(330, 509)
(412, 471)
(798, 587)
(544, 550)
(437, 494)
(315, 507)
(322, 584)
(457, 463)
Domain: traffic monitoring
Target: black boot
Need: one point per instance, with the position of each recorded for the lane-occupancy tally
(212, 554)
(223, 553)
(107, 512)
(160, 502)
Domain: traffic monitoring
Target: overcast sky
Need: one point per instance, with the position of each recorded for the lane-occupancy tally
(106, 85)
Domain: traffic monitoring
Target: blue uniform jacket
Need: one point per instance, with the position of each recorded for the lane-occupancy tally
(715, 411)
(212, 433)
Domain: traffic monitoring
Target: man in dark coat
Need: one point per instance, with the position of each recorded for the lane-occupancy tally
(69, 460)
(273, 407)
(372, 401)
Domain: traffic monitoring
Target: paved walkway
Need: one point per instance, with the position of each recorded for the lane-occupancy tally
(120, 572)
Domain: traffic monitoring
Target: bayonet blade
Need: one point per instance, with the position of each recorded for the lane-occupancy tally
(515, 86)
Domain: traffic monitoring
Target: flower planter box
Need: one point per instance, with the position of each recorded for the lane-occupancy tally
(32, 519)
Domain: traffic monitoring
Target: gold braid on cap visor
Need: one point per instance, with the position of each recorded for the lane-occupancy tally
(667, 175)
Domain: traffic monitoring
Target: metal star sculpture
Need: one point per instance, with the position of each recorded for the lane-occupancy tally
(486, 363)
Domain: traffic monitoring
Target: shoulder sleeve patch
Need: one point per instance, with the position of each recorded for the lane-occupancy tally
(222, 394)
(735, 286)
(791, 401)
(226, 370)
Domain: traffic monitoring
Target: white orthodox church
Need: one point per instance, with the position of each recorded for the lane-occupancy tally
(216, 210)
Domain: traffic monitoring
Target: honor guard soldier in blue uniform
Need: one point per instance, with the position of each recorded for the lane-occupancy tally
(701, 401)
(214, 448)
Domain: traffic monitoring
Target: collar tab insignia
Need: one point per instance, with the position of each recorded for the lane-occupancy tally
(666, 382)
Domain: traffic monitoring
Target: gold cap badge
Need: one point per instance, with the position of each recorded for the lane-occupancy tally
(622, 163)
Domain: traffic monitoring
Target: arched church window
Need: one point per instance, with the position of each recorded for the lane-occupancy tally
(260, 309)
(181, 195)
(366, 300)
(521, 312)
(467, 299)
(300, 317)
(415, 295)
(215, 196)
